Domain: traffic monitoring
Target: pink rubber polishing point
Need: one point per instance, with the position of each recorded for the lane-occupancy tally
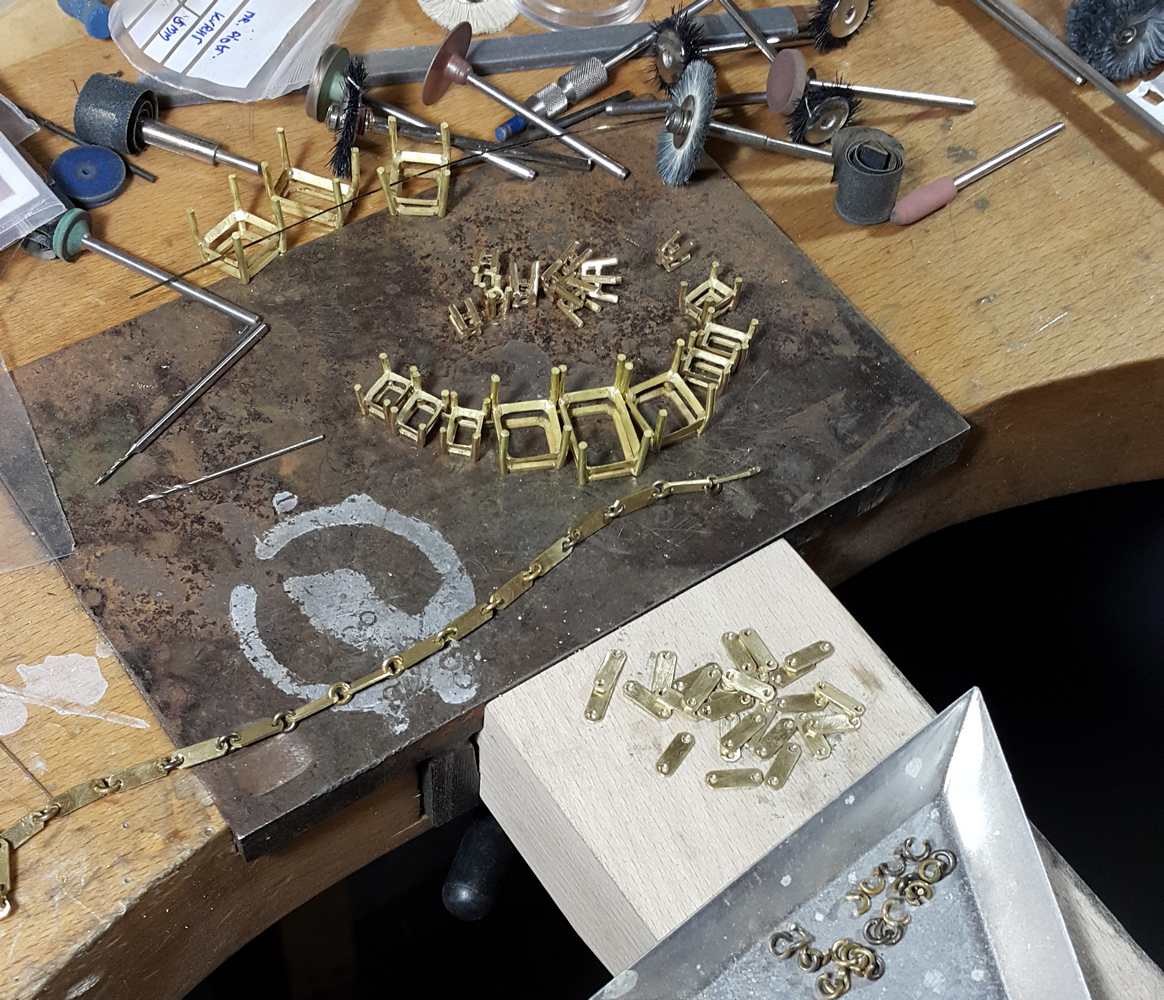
(787, 78)
(920, 203)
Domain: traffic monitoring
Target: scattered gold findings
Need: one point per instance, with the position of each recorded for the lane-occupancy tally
(851, 959)
(671, 255)
(575, 281)
(341, 692)
(407, 165)
(226, 244)
(642, 417)
(743, 700)
(673, 756)
(604, 684)
(908, 888)
(324, 200)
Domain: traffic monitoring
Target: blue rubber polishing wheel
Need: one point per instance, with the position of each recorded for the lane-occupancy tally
(90, 175)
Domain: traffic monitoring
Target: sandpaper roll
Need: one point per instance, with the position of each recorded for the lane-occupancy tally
(867, 168)
(109, 112)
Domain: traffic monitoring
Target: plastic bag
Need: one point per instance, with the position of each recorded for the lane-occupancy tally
(224, 50)
(25, 200)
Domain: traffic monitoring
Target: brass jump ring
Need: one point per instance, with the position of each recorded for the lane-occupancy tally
(284, 721)
(887, 908)
(340, 693)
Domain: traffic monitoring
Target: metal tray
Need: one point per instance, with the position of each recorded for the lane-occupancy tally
(992, 930)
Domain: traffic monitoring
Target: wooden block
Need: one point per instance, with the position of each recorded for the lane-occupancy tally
(628, 854)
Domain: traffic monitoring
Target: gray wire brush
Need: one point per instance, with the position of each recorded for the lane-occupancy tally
(1120, 38)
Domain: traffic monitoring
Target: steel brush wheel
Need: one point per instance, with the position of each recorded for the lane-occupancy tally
(685, 130)
(1120, 38)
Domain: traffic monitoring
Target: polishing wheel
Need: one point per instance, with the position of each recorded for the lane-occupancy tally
(448, 66)
(787, 79)
(91, 176)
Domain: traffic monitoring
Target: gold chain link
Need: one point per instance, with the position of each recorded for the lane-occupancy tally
(340, 692)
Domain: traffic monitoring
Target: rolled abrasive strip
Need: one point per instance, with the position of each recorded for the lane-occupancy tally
(867, 168)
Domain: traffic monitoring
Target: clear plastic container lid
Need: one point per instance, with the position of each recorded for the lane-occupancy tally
(579, 13)
(224, 51)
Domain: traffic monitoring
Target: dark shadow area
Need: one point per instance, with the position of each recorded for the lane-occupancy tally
(406, 944)
(1056, 611)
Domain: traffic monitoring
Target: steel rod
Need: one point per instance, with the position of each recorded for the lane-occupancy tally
(241, 315)
(547, 126)
(423, 130)
(749, 27)
(250, 337)
(1033, 43)
(178, 487)
(746, 137)
(175, 140)
(1006, 156)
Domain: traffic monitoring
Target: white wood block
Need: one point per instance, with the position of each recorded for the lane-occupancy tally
(626, 853)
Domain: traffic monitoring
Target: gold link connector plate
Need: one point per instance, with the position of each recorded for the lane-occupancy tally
(749, 683)
(673, 756)
(646, 700)
(758, 650)
(748, 726)
(817, 745)
(830, 695)
(721, 704)
(697, 685)
(737, 651)
(736, 777)
(766, 746)
(824, 724)
(794, 704)
(803, 660)
(605, 681)
(783, 761)
(663, 670)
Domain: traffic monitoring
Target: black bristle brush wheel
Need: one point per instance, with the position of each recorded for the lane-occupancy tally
(356, 79)
(1120, 38)
(819, 116)
(678, 42)
(836, 22)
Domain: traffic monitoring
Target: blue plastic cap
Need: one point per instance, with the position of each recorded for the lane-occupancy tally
(96, 21)
(507, 130)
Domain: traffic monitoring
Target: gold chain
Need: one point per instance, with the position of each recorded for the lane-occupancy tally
(341, 692)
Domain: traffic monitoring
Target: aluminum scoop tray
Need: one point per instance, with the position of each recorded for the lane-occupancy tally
(992, 930)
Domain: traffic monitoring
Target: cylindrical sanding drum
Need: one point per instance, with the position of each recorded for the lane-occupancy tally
(109, 112)
(867, 168)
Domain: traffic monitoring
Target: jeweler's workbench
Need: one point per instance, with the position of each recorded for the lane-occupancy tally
(1028, 305)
